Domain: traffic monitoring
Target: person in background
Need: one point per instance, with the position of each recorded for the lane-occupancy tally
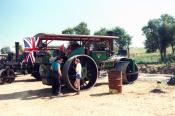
(78, 75)
(56, 79)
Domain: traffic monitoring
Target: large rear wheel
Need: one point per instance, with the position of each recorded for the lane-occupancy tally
(89, 72)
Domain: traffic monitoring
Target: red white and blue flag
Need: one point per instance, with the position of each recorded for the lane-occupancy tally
(30, 46)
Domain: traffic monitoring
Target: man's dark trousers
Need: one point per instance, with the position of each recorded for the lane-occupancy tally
(56, 84)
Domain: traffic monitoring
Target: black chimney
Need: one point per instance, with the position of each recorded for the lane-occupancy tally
(17, 50)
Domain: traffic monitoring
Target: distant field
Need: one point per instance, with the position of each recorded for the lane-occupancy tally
(140, 55)
(137, 50)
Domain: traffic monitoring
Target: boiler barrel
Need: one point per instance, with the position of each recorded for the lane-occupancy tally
(129, 70)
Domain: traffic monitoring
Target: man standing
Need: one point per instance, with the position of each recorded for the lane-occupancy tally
(56, 78)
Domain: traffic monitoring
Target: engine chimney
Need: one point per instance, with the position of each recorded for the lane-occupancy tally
(17, 50)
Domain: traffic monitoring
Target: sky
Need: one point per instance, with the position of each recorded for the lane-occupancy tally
(25, 18)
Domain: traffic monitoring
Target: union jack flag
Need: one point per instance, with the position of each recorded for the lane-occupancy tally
(30, 46)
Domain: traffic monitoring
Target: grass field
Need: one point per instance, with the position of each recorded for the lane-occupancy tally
(140, 56)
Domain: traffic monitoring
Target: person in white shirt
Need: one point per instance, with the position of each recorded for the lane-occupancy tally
(78, 75)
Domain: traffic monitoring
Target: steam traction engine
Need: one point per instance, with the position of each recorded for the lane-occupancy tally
(11, 63)
(92, 60)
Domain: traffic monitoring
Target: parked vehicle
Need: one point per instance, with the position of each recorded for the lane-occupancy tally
(92, 60)
(12, 63)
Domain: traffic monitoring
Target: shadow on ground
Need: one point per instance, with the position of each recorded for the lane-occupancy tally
(28, 80)
(100, 84)
(157, 91)
(34, 94)
(100, 94)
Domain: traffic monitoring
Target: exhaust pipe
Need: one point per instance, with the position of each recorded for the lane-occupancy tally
(17, 50)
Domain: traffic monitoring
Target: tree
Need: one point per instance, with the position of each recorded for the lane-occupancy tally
(81, 29)
(172, 33)
(164, 39)
(128, 42)
(102, 31)
(123, 40)
(160, 34)
(100, 45)
(5, 50)
(151, 43)
(168, 26)
(173, 38)
(152, 32)
(68, 31)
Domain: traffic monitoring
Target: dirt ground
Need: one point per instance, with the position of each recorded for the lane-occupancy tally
(27, 97)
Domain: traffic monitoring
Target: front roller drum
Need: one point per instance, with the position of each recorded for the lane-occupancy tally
(129, 70)
(89, 72)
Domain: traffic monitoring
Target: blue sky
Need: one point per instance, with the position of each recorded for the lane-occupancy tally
(23, 18)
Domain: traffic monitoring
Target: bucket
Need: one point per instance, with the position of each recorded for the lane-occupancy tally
(115, 81)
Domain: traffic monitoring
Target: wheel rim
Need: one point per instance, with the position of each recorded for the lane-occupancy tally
(89, 72)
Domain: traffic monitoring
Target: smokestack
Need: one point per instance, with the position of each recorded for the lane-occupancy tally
(17, 50)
